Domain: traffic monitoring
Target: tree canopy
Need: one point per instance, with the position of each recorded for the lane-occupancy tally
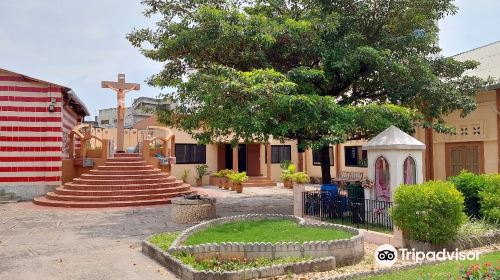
(319, 71)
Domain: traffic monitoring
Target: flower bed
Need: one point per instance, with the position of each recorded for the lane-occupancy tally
(311, 255)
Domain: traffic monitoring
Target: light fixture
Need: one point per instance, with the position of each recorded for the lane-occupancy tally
(52, 105)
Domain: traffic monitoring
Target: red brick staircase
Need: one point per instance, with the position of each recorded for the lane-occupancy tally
(125, 180)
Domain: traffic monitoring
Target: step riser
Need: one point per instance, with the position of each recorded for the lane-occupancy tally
(55, 203)
(126, 163)
(125, 159)
(92, 177)
(121, 155)
(123, 168)
(141, 172)
(122, 187)
(121, 192)
(111, 198)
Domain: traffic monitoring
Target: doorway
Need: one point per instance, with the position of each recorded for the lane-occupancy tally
(248, 158)
(464, 156)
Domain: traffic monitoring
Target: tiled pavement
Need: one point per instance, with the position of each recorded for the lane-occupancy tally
(52, 243)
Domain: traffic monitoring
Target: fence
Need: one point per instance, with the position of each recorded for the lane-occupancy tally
(353, 211)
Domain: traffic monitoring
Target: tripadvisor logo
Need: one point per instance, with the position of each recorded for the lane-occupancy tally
(386, 255)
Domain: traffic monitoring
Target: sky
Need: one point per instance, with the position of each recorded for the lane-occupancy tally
(79, 43)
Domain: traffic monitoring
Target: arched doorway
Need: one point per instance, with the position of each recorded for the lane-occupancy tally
(382, 180)
(409, 171)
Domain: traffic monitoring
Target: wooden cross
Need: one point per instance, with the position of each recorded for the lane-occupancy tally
(121, 87)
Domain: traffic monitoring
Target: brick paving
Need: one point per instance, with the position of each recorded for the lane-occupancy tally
(39, 242)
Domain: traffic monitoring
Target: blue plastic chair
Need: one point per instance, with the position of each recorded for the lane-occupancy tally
(333, 193)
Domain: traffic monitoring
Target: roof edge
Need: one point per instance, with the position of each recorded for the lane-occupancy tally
(66, 89)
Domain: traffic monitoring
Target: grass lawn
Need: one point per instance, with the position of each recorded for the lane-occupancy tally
(438, 271)
(264, 231)
(164, 240)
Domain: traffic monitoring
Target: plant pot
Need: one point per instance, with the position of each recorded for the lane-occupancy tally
(238, 188)
(199, 182)
(220, 183)
(227, 184)
(231, 186)
(288, 184)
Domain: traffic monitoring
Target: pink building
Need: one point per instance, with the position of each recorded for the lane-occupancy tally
(35, 120)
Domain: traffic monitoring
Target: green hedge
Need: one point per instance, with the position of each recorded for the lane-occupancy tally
(470, 184)
(429, 212)
(489, 198)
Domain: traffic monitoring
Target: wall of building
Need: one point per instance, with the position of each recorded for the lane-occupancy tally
(482, 120)
(30, 136)
(69, 120)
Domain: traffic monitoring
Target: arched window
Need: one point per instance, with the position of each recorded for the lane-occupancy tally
(382, 180)
(409, 171)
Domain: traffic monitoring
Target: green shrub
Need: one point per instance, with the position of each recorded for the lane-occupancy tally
(489, 198)
(287, 174)
(429, 212)
(474, 228)
(470, 184)
(201, 170)
(300, 177)
(238, 178)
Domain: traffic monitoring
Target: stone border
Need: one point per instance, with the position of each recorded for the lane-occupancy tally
(186, 272)
(326, 253)
(345, 251)
(464, 244)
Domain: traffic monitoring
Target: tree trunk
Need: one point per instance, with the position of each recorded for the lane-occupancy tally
(300, 150)
(429, 154)
(325, 165)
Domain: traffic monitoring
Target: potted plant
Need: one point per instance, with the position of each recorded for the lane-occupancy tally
(185, 175)
(238, 179)
(218, 179)
(287, 175)
(201, 170)
(300, 178)
(225, 179)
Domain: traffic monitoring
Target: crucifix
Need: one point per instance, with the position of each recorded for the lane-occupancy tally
(121, 87)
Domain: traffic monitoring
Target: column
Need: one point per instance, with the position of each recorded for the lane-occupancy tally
(268, 159)
(235, 159)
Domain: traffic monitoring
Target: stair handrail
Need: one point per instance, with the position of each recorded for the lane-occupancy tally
(84, 138)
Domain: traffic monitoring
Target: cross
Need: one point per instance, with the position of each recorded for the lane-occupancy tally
(121, 87)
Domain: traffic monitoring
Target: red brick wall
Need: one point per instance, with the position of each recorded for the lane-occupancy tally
(30, 135)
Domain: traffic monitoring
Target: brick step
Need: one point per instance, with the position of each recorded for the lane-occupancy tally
(141, 197)
(172, 189)
(121, 155)
(121, 168)
(259, 184)
(131, 176)
(120, 186)
(125, 172)
(124, 181)
(43, 201)
(125, 159)
(126, 163)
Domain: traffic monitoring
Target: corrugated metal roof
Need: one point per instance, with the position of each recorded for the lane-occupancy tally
(488, 56)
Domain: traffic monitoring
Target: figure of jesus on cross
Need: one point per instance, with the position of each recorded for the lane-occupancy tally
(121, 87)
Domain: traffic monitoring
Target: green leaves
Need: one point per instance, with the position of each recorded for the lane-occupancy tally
(317, 70)
(429, 212)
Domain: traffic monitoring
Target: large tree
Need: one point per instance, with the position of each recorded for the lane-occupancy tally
(304, 69)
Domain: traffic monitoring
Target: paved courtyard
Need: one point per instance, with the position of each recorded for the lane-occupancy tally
(52, 243)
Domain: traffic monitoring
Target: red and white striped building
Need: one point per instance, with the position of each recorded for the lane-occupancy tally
(35, 120)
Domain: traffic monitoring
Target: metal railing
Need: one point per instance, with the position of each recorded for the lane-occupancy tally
(339, 208)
